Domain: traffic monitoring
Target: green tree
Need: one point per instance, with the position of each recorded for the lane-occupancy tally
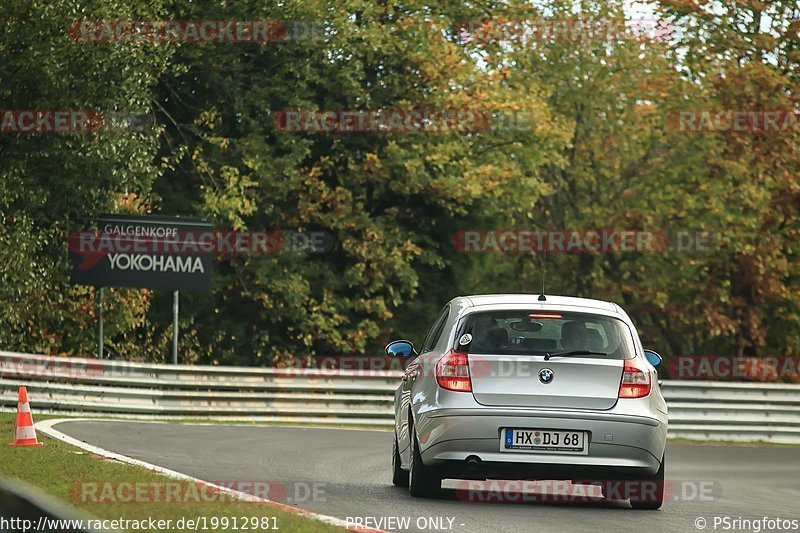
(389, 200)
(51, 184)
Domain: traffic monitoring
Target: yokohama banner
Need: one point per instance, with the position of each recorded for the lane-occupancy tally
(154, 256)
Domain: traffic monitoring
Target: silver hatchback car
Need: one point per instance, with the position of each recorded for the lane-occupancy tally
(513, 386)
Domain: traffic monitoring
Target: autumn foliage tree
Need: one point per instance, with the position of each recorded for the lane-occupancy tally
(577, 99)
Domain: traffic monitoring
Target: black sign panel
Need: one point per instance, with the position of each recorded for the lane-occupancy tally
(150, 252)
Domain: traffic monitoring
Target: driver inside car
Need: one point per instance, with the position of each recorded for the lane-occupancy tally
(576, 336)
(487, 336)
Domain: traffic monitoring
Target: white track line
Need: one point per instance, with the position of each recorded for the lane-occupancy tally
(46, 427)
(218, 422)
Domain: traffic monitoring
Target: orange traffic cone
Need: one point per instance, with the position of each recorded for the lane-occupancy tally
(25, 434)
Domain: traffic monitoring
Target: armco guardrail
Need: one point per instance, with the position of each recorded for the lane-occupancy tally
(698, 410)
(69, 385)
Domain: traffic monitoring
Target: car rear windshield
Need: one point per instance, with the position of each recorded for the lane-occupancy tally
(542, 332)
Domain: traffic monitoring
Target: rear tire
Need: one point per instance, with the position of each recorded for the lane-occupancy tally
(651, 495)
(399, 476)
(424, 482)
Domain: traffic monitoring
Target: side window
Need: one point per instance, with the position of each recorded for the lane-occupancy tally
(436, 331)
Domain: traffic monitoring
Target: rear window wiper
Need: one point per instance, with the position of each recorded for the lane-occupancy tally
(548, 355)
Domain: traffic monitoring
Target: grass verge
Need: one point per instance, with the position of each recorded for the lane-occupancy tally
(98, 488)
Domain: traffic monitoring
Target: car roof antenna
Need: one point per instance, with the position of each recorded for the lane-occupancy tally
(541, 295)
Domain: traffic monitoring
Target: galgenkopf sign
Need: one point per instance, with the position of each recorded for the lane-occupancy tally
(150, 251)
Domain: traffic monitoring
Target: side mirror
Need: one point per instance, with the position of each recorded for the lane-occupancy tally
(652, 357)
(400, 349)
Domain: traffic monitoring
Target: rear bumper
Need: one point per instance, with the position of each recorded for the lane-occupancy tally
(619, 446)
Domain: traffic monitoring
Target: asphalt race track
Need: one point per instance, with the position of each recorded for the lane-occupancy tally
(350, 471)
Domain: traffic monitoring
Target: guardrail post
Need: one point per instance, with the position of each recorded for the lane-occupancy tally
(175, 328)
(100, 339)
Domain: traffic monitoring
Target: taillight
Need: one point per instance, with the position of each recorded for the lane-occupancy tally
(635, 380)
(452, 372)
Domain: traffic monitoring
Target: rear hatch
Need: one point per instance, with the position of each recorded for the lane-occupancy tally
(514, 381)
(507, 348)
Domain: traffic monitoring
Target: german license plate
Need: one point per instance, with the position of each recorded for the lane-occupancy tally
(546, 440)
